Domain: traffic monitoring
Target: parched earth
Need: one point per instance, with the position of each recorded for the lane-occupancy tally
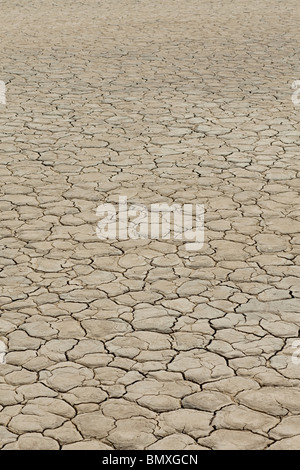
(141, 344)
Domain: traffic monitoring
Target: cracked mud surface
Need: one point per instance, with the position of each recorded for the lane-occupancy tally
(139, 344)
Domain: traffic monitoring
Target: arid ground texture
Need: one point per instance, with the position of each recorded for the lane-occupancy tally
(140, 343)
